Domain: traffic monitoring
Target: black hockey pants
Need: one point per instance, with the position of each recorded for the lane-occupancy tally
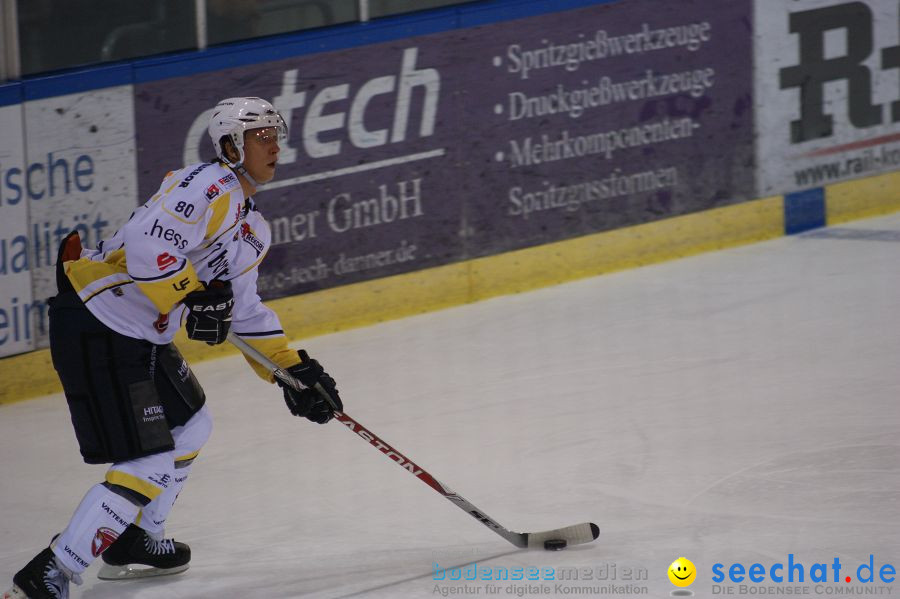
(124, 394)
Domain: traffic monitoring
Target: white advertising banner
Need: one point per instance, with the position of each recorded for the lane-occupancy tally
(16, 307)
(827, 91)
(80, 175)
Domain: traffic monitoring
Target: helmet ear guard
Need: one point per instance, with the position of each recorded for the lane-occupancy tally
(227, 144)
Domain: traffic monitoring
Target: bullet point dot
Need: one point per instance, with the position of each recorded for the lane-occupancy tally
(497, 61)
(498, 109)
(498, 156)
(848, 579)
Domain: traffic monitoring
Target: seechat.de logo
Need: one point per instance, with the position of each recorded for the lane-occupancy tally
(796, 571)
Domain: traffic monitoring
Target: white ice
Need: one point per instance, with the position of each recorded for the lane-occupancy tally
(736, 406)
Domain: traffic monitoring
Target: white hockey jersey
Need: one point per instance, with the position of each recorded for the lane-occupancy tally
(196, 228)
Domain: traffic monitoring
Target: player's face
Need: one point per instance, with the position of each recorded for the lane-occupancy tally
(261, 153)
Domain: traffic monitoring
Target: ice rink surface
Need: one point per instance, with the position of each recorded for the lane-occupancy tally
(737, 406)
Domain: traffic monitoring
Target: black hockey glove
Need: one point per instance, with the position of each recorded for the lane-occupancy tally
(309, 402)
(209, 312)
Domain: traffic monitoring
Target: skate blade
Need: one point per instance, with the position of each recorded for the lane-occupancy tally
(132, 571)
(15, 593)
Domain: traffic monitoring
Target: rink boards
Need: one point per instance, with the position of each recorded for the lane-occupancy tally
(31, 375)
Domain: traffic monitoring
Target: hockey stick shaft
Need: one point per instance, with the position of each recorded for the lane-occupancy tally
(580, 533)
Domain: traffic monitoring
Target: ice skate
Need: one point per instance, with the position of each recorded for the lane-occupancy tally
(42, 578)
(135, 554)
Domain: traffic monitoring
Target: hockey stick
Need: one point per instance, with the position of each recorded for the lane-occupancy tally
(572, 535)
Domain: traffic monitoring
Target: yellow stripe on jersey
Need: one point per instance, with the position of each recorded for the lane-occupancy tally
(277, 350)
(86, 298)
(255, 264)
(132, 482)
(162, 193)
(220, 209)
(84, 271)
(165, 293)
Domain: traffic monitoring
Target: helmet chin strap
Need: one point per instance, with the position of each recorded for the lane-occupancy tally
(239, 167)
(243, 172)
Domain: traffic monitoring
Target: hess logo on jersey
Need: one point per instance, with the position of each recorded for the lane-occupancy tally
(102, 540)
(168, 234)
(164, 260)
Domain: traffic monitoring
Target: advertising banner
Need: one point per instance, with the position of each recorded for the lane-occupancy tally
(80, 175)
(827, 99)
(16, 334)
(605, 117)
(435, 149)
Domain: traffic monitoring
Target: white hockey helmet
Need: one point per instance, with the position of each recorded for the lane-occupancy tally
(233, 116)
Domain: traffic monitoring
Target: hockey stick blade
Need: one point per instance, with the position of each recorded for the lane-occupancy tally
(573, 535)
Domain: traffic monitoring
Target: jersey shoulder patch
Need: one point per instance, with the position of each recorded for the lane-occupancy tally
(221, 185)
(227, 181)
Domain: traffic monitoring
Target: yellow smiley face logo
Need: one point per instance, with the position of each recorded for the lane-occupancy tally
(682, 572)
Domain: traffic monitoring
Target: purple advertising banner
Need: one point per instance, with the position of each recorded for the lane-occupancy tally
(440, 148)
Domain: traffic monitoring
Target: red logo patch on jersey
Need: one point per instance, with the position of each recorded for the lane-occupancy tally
(102, 540)
(212, 191)
(164, 260)
(161, 323)
(227, 179)
(251, 239)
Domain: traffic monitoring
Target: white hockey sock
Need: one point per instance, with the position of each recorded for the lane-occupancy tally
(188, 441)
(153, 515)
(99, 520)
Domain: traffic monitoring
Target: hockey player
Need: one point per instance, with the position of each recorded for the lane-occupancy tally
(188, 256)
